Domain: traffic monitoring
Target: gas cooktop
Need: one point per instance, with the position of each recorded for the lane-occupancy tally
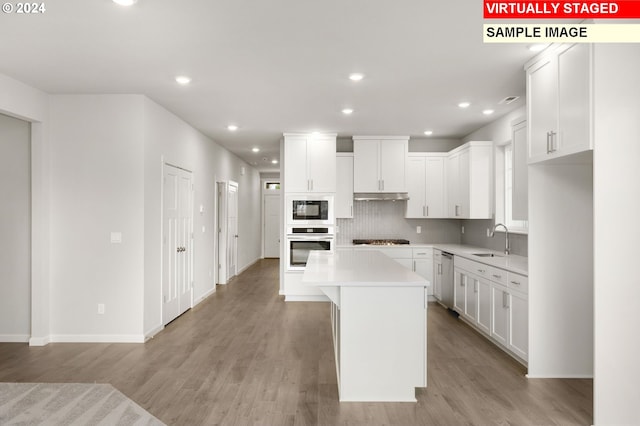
(381, 242)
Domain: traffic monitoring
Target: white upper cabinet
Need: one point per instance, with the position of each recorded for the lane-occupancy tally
(379, 163)
(310, 163)
(425, 185)
(344, 185)
(559, 102)
(470, 181)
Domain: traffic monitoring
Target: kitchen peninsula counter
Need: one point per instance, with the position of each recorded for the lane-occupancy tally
(379, 323)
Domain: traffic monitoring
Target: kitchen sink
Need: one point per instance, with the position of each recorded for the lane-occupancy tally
(488, 255)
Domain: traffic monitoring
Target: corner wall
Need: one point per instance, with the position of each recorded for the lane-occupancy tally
(97, 188)
(616, 236)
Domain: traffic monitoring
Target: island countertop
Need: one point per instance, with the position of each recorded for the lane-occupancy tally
(358, 268)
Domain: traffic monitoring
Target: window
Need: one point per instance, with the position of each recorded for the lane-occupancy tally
(504, 187)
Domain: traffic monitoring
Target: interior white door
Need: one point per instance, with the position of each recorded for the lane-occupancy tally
(221, 196)
(232, 229)
(177, 242)
(271, 226)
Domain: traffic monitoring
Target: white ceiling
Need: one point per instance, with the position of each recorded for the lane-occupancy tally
(275, 66)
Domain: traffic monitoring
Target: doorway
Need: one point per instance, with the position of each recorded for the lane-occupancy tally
(227, 194)
(177, 257)
(15, 228)
(271, 225)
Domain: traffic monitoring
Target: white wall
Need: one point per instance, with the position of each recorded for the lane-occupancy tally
(97, 187)
(15, 229)
(617, 203)
(169, 139)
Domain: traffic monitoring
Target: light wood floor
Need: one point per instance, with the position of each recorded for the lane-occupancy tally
(243, 356)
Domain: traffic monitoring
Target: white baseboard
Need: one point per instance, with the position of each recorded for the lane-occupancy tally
(249, 265)
(97, 338)
(306, 298)
(151, 333)
(204, 296)
(14, 338)
(559, 376)
(40, 341)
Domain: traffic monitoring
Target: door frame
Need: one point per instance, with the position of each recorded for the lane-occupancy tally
(264, 194)
(190, 261)
(221, 232)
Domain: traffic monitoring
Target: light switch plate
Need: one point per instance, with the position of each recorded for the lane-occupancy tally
(419, 229)
(116, 237)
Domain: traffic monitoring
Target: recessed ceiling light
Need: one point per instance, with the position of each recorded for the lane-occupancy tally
(255, 149)
(356, 76)
(428, 132)
(347, 111)
(125, 2)
(183, 79)
(274, 161)
(488, 112)
(232, 127)
(464, 104)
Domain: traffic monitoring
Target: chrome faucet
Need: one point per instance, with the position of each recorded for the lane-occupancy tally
(506, 236)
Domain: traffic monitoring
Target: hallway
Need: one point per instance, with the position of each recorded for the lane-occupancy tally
(243, 356)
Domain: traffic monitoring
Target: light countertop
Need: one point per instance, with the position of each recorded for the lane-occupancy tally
(512, 262)
(368, 268)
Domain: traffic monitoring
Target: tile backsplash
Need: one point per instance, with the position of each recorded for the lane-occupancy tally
(385, 219)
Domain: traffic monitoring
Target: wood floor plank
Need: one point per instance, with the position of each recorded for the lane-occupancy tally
(244, 356)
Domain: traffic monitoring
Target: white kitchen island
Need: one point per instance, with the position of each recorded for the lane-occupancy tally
(379, 320)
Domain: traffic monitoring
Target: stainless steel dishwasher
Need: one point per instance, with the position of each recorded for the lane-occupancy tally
(447, 279)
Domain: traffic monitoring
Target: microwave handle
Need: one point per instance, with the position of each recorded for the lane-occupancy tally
(310, 238)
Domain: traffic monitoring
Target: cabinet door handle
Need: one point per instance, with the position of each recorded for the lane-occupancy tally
(553, 141)
(414, 266)
(548, 142)
(475, 286)
(427, 211)
(382, 184)
(505, 300)
(515, 283)
(481, 271)
(439, 268)
(424, 212)
(497, 276)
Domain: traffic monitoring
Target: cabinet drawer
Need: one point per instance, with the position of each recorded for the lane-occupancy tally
(423, 253)
(518, 282)
(475, 268)
(499, 276)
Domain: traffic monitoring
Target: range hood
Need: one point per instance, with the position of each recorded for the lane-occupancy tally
(381, 196)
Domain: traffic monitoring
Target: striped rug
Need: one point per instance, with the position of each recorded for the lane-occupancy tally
(69, 404)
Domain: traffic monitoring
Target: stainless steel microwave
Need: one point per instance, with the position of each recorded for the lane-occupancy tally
(310, 210)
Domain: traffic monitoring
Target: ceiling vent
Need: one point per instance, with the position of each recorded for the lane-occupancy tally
(509, 99)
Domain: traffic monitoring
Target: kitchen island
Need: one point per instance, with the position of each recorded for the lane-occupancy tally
(379, 323)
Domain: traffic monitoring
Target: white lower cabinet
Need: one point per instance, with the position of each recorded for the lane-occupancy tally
(437, 274)
(499, 314)
(419, 260)
(472, 299)
(495, 302)
(519, 324)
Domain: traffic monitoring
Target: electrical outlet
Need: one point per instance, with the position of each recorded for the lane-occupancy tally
(419, 229)
(462, 229)
(101, 308)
